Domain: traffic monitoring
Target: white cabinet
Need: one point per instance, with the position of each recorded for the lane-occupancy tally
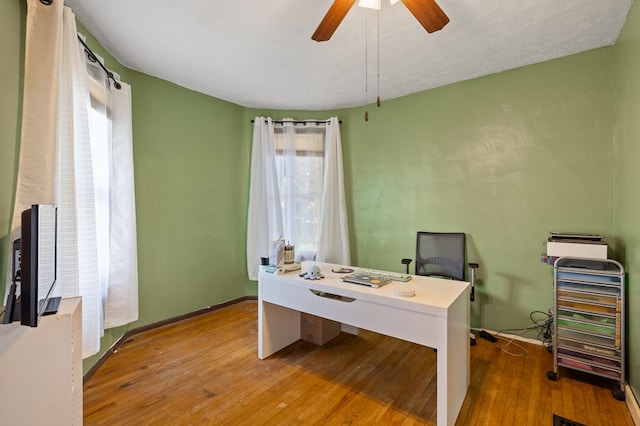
(589, 318)
(41, 369)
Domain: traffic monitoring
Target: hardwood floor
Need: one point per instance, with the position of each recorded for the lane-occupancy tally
(205, 370)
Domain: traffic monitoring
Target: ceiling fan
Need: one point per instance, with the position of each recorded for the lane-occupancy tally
(427, 12)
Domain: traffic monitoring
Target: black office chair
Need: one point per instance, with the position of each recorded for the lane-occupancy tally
(442, 254)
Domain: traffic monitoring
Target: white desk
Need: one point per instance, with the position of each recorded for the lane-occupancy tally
(437, 316)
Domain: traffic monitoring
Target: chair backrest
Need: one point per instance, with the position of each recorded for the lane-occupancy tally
(441, 254)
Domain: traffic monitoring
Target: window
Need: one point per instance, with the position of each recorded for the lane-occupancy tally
(100, 142)
(110, 139)
(297, 192)
(299, 164)
(67, 161)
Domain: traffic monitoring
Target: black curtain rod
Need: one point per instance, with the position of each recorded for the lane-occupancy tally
(94, 58)
(299, 121)
(90, 54)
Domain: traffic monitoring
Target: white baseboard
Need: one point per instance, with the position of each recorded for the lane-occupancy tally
(632, 404)
(510, 336)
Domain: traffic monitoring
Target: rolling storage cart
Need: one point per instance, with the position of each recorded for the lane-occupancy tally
(589, 318)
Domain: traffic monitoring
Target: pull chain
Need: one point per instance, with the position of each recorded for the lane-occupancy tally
(366, 65)
(378, 82)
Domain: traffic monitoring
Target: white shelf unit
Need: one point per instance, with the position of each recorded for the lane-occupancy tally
(589, 318)
(41, 369)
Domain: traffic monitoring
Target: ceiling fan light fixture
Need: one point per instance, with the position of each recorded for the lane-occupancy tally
(427, 12)
(370, 4)
(373, 4)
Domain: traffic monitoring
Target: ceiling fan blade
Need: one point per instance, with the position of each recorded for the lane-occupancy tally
(428, 13)
(332, 19)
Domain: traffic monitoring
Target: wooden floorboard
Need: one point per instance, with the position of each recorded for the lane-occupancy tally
(205, 370)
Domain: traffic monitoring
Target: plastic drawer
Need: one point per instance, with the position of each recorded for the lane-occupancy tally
(591, 278)
(586, 306)
(588, 347)
(583, 366)
(588, 297)
(588, 338)
(572, 322)
(590, 359)
(606, 290)
(595, 317)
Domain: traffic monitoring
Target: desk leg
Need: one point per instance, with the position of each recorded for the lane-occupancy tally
(453, 362)
(278, 327)
(349, 329)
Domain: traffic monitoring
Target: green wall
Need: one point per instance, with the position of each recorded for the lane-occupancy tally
(191, 197)
(627, 176)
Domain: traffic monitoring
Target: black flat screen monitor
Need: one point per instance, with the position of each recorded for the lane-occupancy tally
(36, 260)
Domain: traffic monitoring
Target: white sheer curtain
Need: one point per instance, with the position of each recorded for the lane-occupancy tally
(333, 244)
(78, 256)
(121, 304)
(111, 140)
(297, 192)
(55, 161)
(265, 219)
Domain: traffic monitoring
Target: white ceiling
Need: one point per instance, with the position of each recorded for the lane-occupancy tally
(259, 53)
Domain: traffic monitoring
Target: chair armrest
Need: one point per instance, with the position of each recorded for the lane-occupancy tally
(406, 263)
(472, 267)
